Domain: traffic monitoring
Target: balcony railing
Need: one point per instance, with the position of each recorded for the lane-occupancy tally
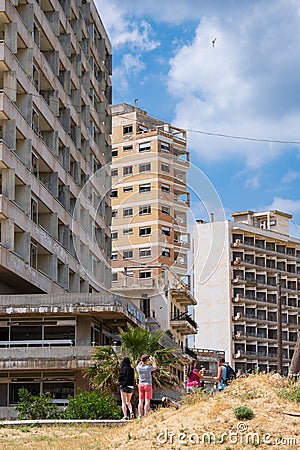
(184, 316)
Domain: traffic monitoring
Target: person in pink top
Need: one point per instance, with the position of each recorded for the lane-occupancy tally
(194, 377)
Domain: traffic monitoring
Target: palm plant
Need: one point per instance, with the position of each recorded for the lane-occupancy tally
(104, 371)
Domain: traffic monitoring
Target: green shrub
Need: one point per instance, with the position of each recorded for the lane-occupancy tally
(290, 392)
(34, 407)
(243, 412)
(92, 405)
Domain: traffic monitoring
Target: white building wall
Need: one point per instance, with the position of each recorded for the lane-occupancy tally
(212, 287)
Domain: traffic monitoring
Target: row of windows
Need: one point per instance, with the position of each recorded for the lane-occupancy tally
(144, 209)
(143, 253)
(143, 167)
(143, 231)
(142, 189)
(146, 273)
(143, 147)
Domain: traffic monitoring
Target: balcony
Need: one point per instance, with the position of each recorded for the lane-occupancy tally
(46, 358)
(182, 295)
(183, 323)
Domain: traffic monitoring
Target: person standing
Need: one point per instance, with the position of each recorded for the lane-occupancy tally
(194, 377)
(126, 382)
(144, 370)
(221, 376)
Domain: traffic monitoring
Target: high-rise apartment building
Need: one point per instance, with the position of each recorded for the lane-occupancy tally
(150, 201)
(252, 262)
(55, 150)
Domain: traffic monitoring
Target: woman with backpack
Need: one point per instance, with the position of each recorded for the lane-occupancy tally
(194, 377)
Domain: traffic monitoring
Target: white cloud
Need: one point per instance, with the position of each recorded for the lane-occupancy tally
(252, 182)
(246, 85)
(291, 176)
(284, 204)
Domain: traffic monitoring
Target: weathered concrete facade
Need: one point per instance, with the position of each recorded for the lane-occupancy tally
(55, 213)
(237, 303)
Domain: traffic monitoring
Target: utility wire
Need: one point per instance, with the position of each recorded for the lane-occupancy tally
(206, 133)
(244, 138)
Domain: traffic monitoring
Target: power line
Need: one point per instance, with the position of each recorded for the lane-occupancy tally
(244, 138)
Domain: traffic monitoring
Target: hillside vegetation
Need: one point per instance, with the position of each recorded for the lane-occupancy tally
(204, 421)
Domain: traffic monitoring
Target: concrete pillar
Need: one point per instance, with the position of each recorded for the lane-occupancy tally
(76, 99)
(25, 56)
(83, 330)
(64, 196)
(10, 84)
(53, 183)
(25, 106)
(65, 79)
(101, 47)
(74, 282)
(85, 115)
(23, 197)
(53, 60)
(84, 286)
(84, 218)
(49, 221)
(76, 63)
(48, 264)
(86, 46)
(85, 81)
(22, 245)
(51, 140)
(85, 149)
(11, 36)
(26, 12)
(64, 157)
(65, 40)
(63, 275)
(66, 6)
(53, 18)
(9, 133)
(76, 135)
(65, 119)
(54, 102)
(86, 12)
(7, 233)
(8, 183)
(64, 235)
(23, 148)
(77, 173)
(77, 28)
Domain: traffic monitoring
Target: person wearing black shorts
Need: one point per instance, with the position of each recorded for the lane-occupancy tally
(126, 382)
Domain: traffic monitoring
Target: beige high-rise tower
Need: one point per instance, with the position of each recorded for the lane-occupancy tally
(150, 201)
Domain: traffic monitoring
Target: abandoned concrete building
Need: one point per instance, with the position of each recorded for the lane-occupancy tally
(237, 299)
(55, 94)
(150, 202)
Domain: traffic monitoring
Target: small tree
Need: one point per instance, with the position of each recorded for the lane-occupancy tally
(104, 371)
(92, 405)
(35, 407)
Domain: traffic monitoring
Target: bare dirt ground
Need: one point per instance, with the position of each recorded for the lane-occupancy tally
(202, 422)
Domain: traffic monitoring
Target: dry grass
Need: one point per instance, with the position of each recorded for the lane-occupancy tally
(188, 424)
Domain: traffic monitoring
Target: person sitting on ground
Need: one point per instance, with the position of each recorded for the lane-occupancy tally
(126, 382)
(144, 369)
(194, 377)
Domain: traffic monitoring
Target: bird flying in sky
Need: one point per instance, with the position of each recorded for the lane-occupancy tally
(213, 41)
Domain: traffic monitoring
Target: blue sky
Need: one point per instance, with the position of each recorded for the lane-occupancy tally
(246, 85)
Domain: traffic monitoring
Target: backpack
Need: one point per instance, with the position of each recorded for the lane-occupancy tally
(230, 374)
